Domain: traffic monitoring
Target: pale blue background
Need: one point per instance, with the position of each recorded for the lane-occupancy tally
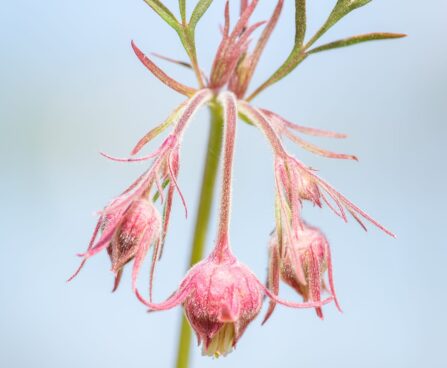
(70, 86)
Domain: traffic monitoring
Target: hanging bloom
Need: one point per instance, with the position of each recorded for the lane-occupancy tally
(127, 234)
(296, 183)
(226, 297)
(139, 228)
(302, 264)
(131, 223)
(221, 296)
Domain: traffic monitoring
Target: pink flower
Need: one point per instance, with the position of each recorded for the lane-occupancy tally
(295, 182)
(139, 228)
(226, 297)
(127, 234)
(221, 296)
(299, 253)
(301, 264)
(122, 221)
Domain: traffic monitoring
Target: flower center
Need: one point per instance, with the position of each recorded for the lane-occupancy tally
(221, 343)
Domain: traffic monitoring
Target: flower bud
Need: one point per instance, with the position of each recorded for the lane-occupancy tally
(304, 262)
(225, 298)
(221, 297)
(308, 189)
(133, 233)
(140, 222)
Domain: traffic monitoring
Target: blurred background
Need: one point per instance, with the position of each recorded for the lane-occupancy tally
(71, 86)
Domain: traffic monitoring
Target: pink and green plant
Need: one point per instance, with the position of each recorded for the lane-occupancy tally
(219, 294)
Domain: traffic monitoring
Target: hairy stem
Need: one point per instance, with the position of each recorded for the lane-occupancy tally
(202, 219)
(228, 102)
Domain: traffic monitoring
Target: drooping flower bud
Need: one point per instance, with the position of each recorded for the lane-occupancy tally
(127, 235)
(303, 263)
(139, 228)
(225, 298)
(308, 189)
(221, 296)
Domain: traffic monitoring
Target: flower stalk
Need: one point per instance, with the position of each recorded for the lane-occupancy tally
(212, 158)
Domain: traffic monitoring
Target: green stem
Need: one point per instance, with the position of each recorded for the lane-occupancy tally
(202, 220)
(187, 38)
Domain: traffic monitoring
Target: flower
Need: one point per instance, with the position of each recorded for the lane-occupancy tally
(221, 296)
(139, 228)
(132, 211)
(225, 297)
(127, 234)
(301, 264)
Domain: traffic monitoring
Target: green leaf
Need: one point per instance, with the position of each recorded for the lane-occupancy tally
(200, 9)
(296, 56)
(355, 40)
(182, 6)
(341, 8)
(300, 22)
(164, 13)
